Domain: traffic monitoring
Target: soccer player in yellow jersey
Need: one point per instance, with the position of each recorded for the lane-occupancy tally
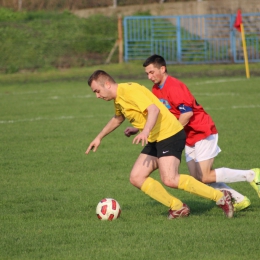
(163, 138)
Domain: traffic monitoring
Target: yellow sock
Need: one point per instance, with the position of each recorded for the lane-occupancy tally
(190, 184)
(155, 190)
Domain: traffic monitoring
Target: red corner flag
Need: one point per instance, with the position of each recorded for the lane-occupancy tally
(238, 20)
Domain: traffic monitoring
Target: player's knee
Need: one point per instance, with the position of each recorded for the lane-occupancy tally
(132, 180)
(172, 183)
(197, 175)
(135, 181)
(199, 178)
(205, 179)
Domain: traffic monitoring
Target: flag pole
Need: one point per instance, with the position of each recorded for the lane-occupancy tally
(240, 27)
(245, 50)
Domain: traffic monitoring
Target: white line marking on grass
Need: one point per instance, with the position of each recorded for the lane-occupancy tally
(74, 96)
(232, 107)
(250, 106)
(22, 93)
(43, 118)
(217, 94)
(40, 92)
(90, 116)
(218, 81)
(86, 96)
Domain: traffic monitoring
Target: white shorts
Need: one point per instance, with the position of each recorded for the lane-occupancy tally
(203, 150)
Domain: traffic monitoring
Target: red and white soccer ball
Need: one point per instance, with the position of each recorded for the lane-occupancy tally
(108, 209)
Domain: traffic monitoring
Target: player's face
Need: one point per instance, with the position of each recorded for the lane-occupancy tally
(154, 74)
(102, 92)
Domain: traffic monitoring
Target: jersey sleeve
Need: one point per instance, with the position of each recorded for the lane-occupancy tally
(117, 109)
(184, 109)
(181, 95)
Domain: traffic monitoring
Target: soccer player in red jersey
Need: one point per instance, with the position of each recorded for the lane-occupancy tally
(201, 133)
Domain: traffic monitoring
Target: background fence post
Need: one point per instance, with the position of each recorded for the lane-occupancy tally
(178, 36)
(120, 40)
(20, 5)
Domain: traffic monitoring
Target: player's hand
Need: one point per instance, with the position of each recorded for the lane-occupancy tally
(93, 145)
(142, 137)
(130, 131)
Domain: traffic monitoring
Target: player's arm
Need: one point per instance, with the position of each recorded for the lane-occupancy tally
(153, 112)
(185, 118)
(186, 114)
(115, 122)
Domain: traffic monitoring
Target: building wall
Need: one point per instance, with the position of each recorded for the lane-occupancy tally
(180, 8)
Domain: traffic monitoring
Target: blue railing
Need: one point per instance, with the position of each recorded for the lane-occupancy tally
(191, 38)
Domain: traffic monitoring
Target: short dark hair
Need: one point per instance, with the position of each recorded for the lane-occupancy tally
(101, 76)
(157, 60)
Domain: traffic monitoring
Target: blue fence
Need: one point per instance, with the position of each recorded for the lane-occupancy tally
(191, 39)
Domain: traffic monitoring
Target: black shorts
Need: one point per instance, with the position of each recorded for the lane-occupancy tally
(171, 146)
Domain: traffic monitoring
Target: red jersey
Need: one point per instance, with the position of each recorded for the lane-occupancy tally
(173, 94)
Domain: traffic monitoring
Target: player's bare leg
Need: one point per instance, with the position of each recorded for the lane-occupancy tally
(168, 168)
(203, 171)
(139, 177)
(143, 167)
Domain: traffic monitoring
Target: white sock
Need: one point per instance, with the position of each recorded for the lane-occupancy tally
(235, 195)
(231, 175)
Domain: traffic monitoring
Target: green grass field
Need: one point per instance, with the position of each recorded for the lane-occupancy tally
(49, 188)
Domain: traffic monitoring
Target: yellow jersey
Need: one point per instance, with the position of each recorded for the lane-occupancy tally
(132, 101)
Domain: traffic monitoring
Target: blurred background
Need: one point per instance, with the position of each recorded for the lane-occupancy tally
(39, 35)
(76, 4)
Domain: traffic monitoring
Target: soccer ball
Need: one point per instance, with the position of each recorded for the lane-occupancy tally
(108, 209)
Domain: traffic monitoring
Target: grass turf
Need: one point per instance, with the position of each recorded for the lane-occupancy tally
(49, 188)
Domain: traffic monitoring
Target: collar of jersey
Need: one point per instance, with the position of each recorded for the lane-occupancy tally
(161, 86)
